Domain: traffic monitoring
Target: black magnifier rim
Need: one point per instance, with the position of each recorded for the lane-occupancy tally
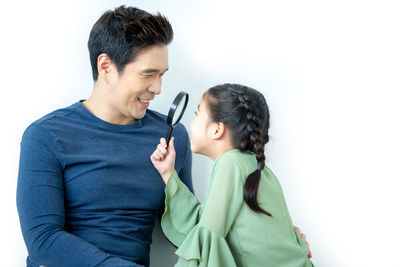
(174, 106)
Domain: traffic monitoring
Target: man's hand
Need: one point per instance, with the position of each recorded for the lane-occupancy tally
(303, 236)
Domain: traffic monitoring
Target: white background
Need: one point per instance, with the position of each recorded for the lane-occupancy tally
(330, 71)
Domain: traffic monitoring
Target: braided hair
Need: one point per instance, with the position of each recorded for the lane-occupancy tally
(245, 113)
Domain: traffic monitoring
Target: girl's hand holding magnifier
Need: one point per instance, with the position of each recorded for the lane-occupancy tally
(163, 159)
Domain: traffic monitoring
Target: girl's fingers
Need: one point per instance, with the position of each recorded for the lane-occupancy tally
(161, 148)
(160, 154)
(163, 142)
(155, 156)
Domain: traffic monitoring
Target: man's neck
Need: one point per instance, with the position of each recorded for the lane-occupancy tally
(100, 106)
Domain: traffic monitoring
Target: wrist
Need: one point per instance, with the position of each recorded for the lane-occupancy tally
(166, 175)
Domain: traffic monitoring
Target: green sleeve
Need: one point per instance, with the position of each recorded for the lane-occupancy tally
(182, 210)
(205, 245)
(224, 198)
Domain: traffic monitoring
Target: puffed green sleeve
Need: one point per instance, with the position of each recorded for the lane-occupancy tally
(182, 211)
(205, 244)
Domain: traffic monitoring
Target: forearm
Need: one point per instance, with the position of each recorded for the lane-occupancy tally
(54, 247)
(47, 241)
(182, 210)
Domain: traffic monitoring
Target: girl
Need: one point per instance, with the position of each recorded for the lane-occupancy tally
(244, 220)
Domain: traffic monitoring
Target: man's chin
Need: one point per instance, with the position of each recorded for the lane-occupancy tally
(137, 116)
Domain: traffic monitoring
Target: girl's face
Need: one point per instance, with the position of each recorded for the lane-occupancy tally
(199, 130)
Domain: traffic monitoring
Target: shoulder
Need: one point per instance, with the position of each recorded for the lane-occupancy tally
(268, 172)
(55, 115)
(41, 128)
(231, 167)
(228, 175)
(269, 175)
(243, 162)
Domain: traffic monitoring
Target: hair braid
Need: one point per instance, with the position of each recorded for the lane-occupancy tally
(253, 142)
(244, 111)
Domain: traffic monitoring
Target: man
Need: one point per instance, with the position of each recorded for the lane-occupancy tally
(87, 192)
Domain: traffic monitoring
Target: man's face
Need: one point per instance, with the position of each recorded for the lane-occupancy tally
(138, 84)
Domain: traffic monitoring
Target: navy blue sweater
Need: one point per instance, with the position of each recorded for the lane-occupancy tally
(87, 192)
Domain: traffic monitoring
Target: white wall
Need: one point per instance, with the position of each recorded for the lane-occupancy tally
(330, 71)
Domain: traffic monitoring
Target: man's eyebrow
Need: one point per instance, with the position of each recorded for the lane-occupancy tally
(150, 71)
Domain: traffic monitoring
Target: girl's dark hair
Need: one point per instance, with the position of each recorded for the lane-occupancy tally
(245, 113)
(124, 32)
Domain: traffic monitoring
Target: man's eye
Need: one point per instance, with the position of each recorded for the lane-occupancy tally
(195, 113)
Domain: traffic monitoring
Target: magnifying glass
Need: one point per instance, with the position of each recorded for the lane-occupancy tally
(176, 112)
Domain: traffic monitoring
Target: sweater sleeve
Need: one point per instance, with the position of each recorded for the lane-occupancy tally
(202, 234)
(40, 203)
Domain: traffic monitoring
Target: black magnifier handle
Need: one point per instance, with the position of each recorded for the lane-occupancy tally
(169, 135)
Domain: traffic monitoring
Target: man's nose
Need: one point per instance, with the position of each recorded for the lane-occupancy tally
(155, 87)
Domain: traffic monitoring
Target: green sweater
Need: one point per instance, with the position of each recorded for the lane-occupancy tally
(224, 231)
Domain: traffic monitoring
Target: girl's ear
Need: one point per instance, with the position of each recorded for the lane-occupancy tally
(218, 130)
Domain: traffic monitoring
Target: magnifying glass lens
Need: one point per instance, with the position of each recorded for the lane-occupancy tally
(179, 110)
(176, 112)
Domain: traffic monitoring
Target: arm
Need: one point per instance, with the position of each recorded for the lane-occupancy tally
(200, 233)
(206, 245)
(182, 211)
(178, 221)
(40, 202)
(185, 172)
(224, 198)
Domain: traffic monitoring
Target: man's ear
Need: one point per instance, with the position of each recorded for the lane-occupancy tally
(104, 66)
(218, 130)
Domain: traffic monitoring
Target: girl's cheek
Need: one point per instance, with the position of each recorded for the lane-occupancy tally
(191, 128)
